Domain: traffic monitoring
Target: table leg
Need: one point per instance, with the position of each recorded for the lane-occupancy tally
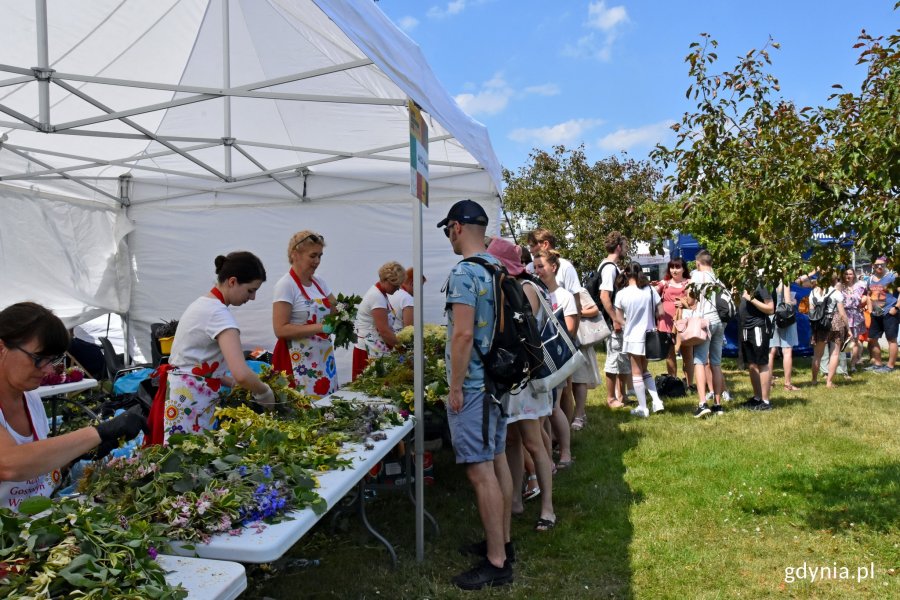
(410, 482)
(361, 490)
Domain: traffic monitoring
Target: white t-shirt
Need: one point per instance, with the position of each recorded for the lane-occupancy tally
(286, 290)
(13, 492)
(818, 294)
(400, 300)
(608, 276)
(195, 340)
(365, 324)
(563, 298)
(639, 306)
(705, 308)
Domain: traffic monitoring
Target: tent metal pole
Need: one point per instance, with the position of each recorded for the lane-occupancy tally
(43, 68)
(226, 81)
(419, 379)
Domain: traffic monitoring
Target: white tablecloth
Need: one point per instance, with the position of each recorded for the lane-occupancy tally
(275, 540)
(46, 391)
(205, 579)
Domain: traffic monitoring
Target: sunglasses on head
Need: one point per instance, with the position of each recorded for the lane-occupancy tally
(41, 361)
(317, 239)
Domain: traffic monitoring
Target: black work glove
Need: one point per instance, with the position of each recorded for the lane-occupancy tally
(125, 426)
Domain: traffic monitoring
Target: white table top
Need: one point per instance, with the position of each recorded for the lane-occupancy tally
(46, 391)
(275, 540)
(205, 579)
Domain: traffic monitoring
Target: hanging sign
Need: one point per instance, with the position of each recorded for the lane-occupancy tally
(418, 154)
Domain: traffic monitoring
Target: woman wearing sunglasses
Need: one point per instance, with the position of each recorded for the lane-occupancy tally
(32, 341)
(301, 301)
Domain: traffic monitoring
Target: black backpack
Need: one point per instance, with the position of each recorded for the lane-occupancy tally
(821, 312)
(592, 285)
(516, 351)
(671, 387)
(724, 303)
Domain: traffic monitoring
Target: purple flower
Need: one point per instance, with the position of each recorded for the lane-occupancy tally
(152, 552)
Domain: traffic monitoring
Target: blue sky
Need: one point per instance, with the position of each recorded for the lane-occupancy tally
(611, 74)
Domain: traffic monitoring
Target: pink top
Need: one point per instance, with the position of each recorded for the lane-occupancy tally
(669, 291)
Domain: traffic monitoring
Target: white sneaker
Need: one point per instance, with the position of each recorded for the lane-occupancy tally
(710, 396)
(640, 412)
(726, 397)
(658, 406)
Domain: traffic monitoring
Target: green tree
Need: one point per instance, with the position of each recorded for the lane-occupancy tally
(741, 168)
(580, 202)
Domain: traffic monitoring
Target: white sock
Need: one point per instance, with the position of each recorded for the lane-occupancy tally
(651, 387)
(640, 391)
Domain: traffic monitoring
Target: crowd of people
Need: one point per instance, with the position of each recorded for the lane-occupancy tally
(500, 442)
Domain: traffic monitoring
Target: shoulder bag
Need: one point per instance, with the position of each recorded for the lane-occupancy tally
(592, 330)
(656, 343)
(561, 357)
(693, 331)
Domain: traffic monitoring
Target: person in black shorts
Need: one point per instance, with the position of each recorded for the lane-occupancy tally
(754, 310)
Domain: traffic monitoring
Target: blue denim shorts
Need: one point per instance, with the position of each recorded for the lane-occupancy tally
(466, 430)
(711, 350)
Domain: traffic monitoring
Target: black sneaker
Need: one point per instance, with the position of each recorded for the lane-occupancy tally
(751, 403)
(702, 411)
(718, 410)
(484, 574)
(762, 406)
(480, 549)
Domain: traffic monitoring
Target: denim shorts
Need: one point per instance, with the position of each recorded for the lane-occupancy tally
(784, 337)
(617, 362)
(466, 431)
(711, 350)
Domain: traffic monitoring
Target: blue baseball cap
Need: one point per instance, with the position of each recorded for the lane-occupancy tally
(466, 212)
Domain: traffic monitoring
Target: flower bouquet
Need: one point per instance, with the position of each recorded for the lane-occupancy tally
(60, 374)
(66, 548)
(341, 321)
(288, 400)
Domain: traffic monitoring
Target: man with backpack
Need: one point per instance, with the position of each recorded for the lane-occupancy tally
(755, 309)
(618, 365)
(708, 289)
(478, 429)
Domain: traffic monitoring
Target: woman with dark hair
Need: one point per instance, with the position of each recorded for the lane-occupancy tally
(32, 342)
(672, 289)
(207, 343)
(300, 303)
(639, 306)
(832, 331)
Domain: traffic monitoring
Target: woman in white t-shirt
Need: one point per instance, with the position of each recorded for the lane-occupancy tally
(32, 342)
(639, 305)
(300, 303)
(207, 343)
(402, 302)
(374, 325)
(833, 332)
(546, 264)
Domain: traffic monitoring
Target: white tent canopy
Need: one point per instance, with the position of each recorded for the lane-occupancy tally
(141, 139)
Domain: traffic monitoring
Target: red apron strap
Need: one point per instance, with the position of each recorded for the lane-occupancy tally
(156, 421)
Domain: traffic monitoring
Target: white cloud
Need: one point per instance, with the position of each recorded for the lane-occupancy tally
(408, 23)
(547, 89)
(454, 7)
(491, 99)
(605, 19)
(567, 132)
(626, 139)
(608, 22)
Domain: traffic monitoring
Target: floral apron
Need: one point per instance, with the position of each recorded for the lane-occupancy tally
(312, 358)
(13, 492)
(191, 400)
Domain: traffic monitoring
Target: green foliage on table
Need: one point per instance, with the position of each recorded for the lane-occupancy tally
(68, 549)
(581, 202)
(391, 376)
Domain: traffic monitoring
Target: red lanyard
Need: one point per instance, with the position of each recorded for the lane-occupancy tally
(34, 435)
(383, 293)
(218, 294)
(325, 300)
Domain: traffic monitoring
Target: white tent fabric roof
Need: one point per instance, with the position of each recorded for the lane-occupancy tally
(234, 124)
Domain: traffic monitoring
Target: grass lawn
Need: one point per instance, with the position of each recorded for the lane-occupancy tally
(668, 507)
